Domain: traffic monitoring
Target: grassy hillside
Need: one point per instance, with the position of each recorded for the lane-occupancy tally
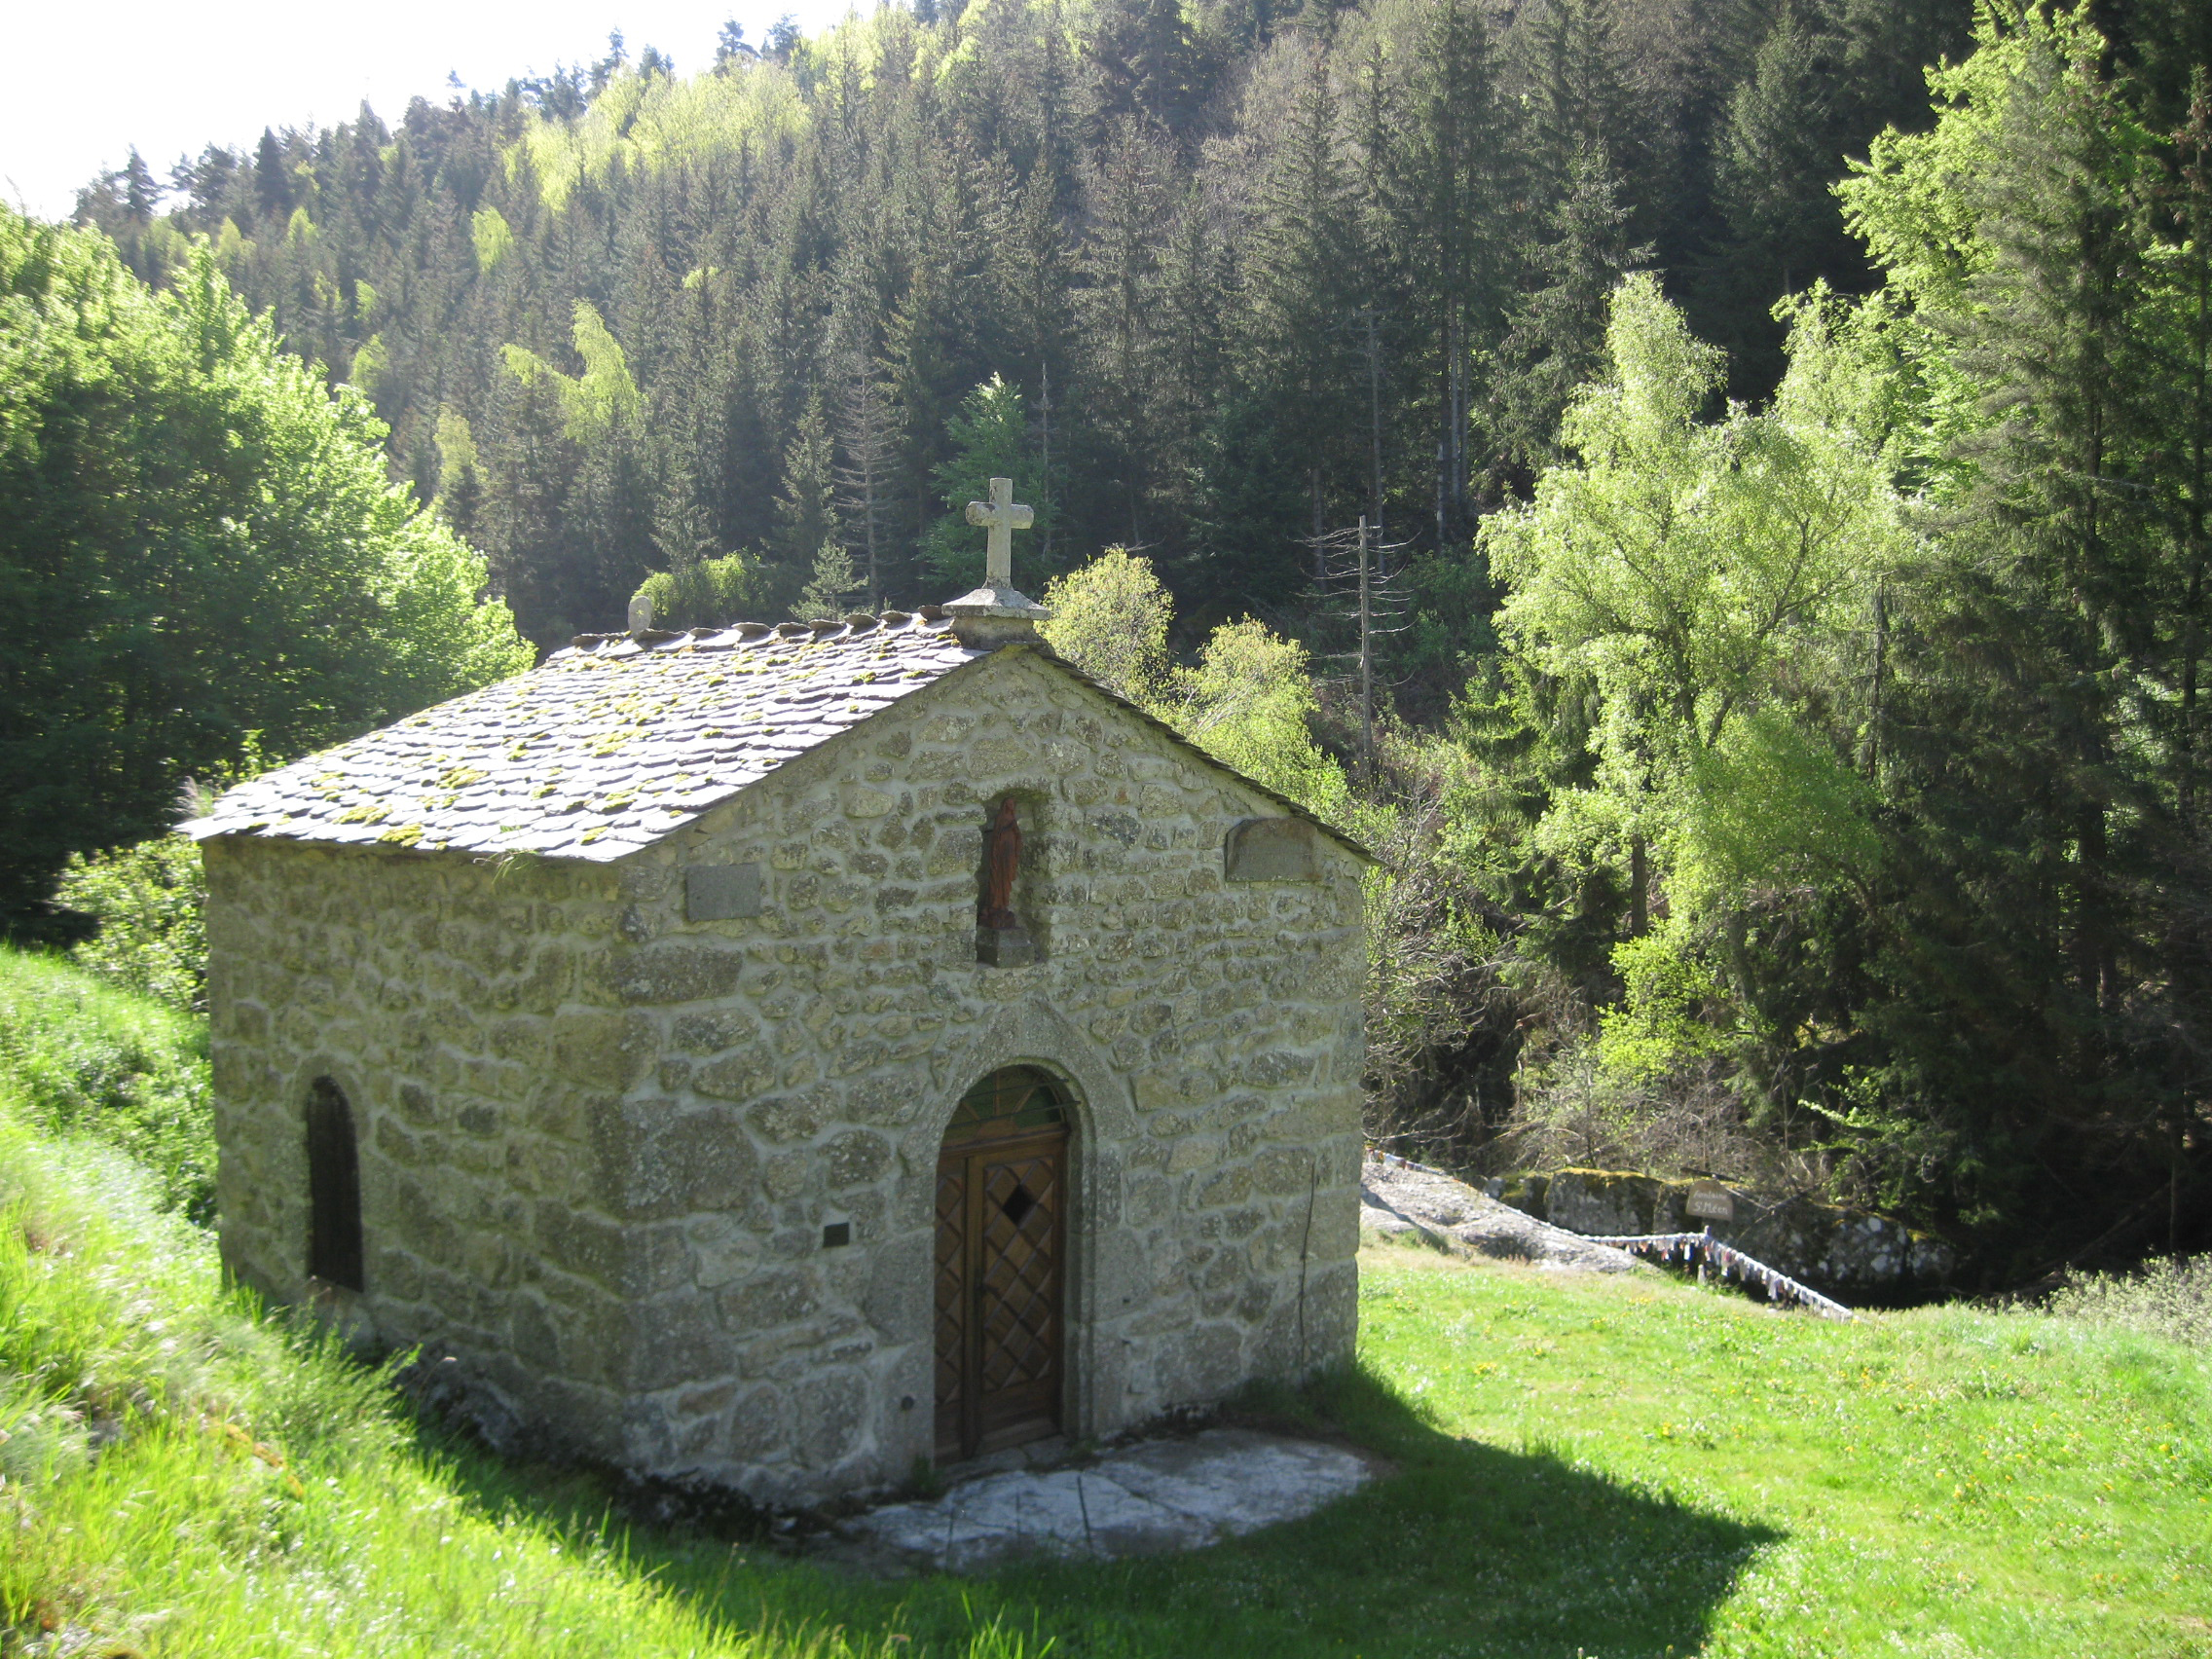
(1583, 1467)
(81, 1056)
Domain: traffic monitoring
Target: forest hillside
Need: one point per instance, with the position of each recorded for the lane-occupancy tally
(1783, 434)
(1208, 279)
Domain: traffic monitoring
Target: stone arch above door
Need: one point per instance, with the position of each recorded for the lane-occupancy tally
(1030, 1033)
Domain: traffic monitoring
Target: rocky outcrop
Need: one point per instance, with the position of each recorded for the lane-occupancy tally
(1397, 1198)
(1854, 1255)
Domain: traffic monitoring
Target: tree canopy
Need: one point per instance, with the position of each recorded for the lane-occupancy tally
(1206, 280)
(201, 548)
(1784, 436)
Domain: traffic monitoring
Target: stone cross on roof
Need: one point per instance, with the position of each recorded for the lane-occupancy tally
(1002, 518)
(997, 613)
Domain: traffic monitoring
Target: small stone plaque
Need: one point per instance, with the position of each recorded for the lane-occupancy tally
(1709, 1200)
(721, 893)
(1272, 849)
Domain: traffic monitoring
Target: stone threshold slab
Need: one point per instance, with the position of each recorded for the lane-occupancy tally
(1151, 1498)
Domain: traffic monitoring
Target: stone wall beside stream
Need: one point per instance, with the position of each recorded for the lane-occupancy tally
(1849, 1254)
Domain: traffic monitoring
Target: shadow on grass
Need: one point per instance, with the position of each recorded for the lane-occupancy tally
(1467, 1548)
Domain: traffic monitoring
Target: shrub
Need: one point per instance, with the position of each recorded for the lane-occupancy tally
(151, 901)
(709, 593)
(2170, 1299)
(1110, 619)
(1250, 703)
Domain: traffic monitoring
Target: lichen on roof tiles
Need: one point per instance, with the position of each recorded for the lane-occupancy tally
(603, 747)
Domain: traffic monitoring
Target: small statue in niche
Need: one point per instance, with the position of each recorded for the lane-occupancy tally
(1002, 862)
(1000, 938)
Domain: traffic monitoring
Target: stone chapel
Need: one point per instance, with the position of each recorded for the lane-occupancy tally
(769, 1056)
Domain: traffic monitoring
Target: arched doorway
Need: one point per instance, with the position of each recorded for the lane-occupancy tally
(1002, 1198)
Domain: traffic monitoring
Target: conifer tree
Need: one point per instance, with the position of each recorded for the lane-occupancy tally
(1301, 254)
(1443, 181)
(990, 439)
(1555, 343)
(1129, 192)
(866, 445)
(806, 508)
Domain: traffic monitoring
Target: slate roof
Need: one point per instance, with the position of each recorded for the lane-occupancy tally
(619, 740)
(602, 749)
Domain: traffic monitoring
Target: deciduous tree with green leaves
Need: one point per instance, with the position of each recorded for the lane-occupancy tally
(199, 551)
(1695, 572)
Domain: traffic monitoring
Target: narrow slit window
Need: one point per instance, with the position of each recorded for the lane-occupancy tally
(334, 1188)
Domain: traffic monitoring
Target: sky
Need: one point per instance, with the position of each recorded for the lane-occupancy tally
(80, 83)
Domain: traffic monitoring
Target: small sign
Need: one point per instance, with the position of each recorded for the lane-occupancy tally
(1709, 1200)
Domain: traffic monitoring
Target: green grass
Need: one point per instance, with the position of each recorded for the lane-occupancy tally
(178, 1476)
(1581, 1467)
(88, 1059)
(1935, 1482)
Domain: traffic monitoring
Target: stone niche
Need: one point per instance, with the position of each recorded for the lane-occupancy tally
(1272, 849)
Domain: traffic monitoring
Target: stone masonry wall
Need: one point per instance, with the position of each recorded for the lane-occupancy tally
(599, 1141)
(449, 1001)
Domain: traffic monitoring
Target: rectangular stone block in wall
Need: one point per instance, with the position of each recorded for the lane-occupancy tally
(721, 893)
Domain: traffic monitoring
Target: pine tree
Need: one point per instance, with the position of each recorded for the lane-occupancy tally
(1577, 91)
(1556, 343)
(990, 439)
(1144, 63)
(866, 442)
(1443, 181)
(1302, 253)
(1127, 194)
(806, 508)
(834, 588)
(141, 194)
(1827, 77)
(273, 194)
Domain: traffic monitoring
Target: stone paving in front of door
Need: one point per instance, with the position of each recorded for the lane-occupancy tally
(1148, 1498)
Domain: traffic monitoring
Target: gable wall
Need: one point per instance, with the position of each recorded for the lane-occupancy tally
(1211, 1028)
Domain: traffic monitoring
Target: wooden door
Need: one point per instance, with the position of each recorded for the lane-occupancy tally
(1001, 1271)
